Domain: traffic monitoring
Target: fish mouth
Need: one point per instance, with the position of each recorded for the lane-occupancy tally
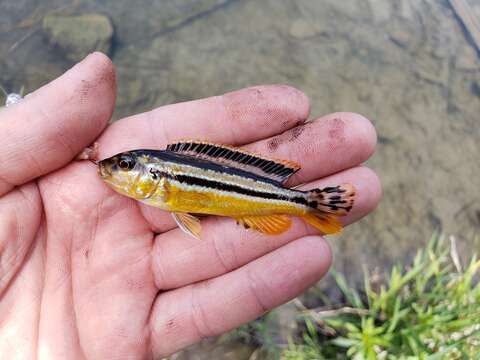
(104, 170)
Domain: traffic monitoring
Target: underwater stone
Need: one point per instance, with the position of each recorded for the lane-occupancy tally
(80, 35)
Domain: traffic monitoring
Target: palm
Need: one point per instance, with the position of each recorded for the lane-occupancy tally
(108, 243)
(96, 269)
(94, 274)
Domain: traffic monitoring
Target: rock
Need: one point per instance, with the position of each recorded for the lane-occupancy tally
(78, 36)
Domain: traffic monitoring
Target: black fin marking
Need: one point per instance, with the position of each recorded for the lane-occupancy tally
(278, 170)
(337, 200)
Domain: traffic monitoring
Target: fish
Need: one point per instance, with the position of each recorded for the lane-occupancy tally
(193, 178)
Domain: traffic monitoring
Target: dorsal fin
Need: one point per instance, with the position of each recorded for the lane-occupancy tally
(278, 170)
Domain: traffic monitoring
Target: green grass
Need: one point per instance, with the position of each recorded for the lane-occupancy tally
(428, 310)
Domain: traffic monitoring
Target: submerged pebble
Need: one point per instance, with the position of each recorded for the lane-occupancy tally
(12, 99)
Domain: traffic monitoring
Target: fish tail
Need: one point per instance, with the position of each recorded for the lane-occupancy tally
(326, 204)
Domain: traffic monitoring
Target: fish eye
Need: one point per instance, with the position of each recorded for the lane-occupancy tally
(126, 162)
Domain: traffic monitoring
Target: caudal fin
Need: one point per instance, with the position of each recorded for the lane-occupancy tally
(335, 200)
(327, 204)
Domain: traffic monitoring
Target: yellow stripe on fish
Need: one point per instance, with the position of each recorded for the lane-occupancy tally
(205, 178)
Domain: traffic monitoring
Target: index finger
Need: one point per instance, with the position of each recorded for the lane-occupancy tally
(234, 118)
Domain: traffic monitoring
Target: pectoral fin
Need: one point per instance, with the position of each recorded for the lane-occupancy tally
(188, 223)
(270, 224)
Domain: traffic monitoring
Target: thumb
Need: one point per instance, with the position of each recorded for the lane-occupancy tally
(51, 126)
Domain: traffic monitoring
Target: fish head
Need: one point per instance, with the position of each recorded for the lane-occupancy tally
(130, 174)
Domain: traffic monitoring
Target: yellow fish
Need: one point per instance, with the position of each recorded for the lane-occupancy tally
(192, 177)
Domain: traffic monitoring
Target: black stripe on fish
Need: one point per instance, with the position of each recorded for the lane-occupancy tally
(220, 186)
(182, 159)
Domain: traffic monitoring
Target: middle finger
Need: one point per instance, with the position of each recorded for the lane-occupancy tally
(323, 147)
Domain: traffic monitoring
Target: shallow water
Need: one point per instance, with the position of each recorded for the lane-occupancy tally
(408, 65)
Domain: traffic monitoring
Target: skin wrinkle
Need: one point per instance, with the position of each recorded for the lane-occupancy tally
(33, 161)
(84, 89)
(60, 134)
(287, 136)
(157, 230)
(28, 249)
(106, 195)
(67, 241)
(91, 244)
(97, 216)
(107, 277)
(74, 308)
(157, 269)
(10, 268)
(149, 121)
(226, 108)
(294, 270)
(150, 330)
(29, 200)
(58, 137)
(45, 119)
(67, 275)
(219, 256)
(197, 315)
(251, 285)
(65, 140)
(41, 234)
(8, 185)
(235, 263)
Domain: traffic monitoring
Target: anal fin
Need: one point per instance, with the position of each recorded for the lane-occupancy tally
(188, 223)
(268, 224)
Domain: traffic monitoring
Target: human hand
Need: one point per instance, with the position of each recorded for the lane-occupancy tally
(88, 273)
